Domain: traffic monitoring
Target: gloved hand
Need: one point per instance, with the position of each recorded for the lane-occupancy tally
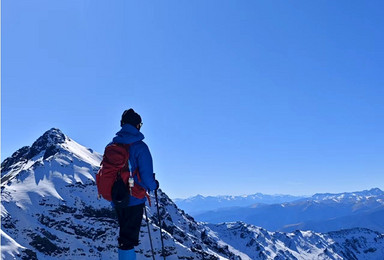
(157, 184)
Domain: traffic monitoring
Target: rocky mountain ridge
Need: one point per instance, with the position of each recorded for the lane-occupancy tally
(49, 210)
(257, 243)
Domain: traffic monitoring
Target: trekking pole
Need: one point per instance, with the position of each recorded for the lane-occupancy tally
(161, 235)
(149, 233)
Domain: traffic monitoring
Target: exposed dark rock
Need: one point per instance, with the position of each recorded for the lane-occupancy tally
(18, 156)
(28, 254)
(8, 222)
(47, 143)
(49, 235)
(45, 246)
(64, 209)
(88, 211)
(370, 250)
(51, 150)
(50, 138)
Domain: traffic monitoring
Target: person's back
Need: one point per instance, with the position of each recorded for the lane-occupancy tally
(140, 160)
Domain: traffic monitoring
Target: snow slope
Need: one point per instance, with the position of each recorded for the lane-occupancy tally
(50, 210)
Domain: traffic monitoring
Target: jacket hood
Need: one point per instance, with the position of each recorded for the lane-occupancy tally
(128, 134)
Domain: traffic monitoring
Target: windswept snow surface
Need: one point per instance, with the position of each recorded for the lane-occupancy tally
(9, 247)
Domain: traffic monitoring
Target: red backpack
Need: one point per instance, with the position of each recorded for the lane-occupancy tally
(114, 167)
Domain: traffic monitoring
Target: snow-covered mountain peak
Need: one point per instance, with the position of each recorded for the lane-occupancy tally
(53, 150)
(51, 137)
(361, 195)
(48, 143)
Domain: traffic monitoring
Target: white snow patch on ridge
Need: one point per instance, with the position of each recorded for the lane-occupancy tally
(9, 247)
(83, 153)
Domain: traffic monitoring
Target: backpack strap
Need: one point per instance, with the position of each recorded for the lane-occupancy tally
(134, 173)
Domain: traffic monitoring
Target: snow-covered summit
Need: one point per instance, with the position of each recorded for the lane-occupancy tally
(47, 142)
(53, 143)
(51, 137)
(360, 195)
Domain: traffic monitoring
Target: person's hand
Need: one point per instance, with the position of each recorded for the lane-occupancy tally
(157, 184)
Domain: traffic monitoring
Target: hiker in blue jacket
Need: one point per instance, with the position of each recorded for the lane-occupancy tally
(140, 158)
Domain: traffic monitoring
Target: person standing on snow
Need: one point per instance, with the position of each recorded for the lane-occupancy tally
(140, 158)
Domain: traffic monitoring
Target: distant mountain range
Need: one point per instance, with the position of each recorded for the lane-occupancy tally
(199, 204)
(49, 210)
(321, 213)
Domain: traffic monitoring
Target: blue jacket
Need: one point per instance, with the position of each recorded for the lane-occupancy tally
(139, 156)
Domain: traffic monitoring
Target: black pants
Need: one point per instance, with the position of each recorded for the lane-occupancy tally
(130, 222)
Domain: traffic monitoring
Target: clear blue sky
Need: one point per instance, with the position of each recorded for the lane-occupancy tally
(237, 97)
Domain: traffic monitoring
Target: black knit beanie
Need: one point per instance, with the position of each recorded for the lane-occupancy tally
(130, 117)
